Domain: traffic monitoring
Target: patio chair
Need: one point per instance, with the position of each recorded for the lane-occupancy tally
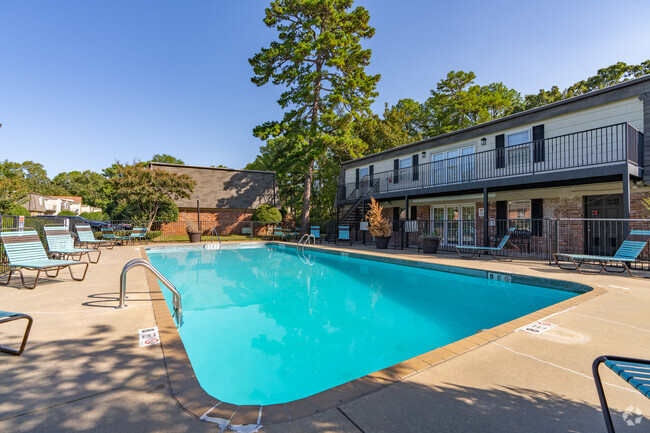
(344, 235)
(278, 233)
(6, 316)
(315, 232)
(628, 252)
(61, 245)
(109, 235)
(634, 371)
(86, 237)
(476, 251)
(138, 234)
(25, 251)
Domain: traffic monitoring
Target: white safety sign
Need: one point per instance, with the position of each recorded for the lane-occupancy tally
(538, 327)
(149, 336)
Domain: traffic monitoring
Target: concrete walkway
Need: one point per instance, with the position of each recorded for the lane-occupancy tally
(83, 370)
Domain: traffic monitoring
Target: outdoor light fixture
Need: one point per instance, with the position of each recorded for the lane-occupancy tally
(483, 141)
(424, 154)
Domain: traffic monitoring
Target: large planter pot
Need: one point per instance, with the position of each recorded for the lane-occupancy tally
(382, 242)
(430, 245)
(195, 236)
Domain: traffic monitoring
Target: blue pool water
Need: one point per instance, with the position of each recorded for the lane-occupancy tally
(262, 326)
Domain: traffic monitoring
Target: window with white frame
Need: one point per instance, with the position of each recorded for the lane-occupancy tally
(404, 169)
(519, 214)
(521, 153)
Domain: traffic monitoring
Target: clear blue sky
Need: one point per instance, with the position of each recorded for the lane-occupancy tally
(85, 83)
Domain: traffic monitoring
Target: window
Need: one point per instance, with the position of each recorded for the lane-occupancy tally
(404, 166)
(519, 213)
(364, 172)
(521, 153)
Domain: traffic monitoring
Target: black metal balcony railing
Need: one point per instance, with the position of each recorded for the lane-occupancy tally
(600, 146)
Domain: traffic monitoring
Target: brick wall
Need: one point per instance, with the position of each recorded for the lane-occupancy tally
(226, 221)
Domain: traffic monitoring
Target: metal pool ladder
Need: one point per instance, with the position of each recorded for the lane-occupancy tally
(304, 240)
(211, 245)
(176, 302)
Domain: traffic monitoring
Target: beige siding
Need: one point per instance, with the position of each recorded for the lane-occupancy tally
(628, 110)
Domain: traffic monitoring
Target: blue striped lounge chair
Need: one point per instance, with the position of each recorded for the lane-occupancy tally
(86, 237)
(6, 316)
(109, 235)
(138, 234)
(278, 233)
(634, 371)
(628, 252)
(61, 245)
(315, 232)
(25, 251)
(344, 235)
(471, 251)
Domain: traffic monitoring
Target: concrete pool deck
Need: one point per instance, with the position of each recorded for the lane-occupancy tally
(83, 370)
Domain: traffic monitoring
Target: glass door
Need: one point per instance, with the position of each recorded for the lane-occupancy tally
(468, 224)
(437, 168)
(452, 215)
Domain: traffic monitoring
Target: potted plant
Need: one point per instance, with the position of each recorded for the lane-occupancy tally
(430, 242)
(378, 225)
(193, 233)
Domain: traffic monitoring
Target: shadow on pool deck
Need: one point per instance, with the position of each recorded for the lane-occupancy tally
(82, 369)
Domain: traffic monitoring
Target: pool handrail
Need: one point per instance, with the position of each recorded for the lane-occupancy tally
(178, 309)
(304, 240)
(215, 232)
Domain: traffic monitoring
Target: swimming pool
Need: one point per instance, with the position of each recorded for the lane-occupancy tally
(262, 325)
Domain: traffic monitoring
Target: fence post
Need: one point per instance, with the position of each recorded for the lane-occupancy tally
(555, 239)
(252, 229)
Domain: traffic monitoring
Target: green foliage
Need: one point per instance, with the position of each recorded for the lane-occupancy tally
(458, 103)
(18, 210)
(153, 234)
(166, 159)
(88, 185)
(12, 191)
(66, 213)
(319, 59)
(267, 213)
(605, 77)
(142, 194)
(94, 216)
(33, 174)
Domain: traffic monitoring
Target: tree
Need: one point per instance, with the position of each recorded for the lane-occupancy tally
(12, 192)
(143, 192)
(33, 174)
(88, 185)
(609, 76)
(166, 159)
(458, 103)
(319, 58)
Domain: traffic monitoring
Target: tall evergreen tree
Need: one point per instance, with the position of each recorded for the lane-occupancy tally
(319, 58)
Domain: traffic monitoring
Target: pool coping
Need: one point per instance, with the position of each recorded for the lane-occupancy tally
(187, 391)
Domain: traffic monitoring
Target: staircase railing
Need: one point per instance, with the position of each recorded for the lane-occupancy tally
(373, 188)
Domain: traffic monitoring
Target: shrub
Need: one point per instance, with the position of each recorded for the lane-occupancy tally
(378, 224)
(18, 210)
(94, 216)
(152, 234)
(267, 213)
(66, 213)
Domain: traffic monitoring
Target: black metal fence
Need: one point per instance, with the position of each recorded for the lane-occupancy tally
(534, 239)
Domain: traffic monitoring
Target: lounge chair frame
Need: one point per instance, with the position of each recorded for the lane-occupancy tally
(315, 232)
(632, 370)
(71, 252)
(56, 268)
(345, 229)
(628, 252)
(476, 251)
(81, 228)
(5, 317)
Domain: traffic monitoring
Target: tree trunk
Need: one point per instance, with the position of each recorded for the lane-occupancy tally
(306, 199)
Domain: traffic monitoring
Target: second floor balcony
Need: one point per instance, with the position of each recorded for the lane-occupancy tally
(606, 146)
